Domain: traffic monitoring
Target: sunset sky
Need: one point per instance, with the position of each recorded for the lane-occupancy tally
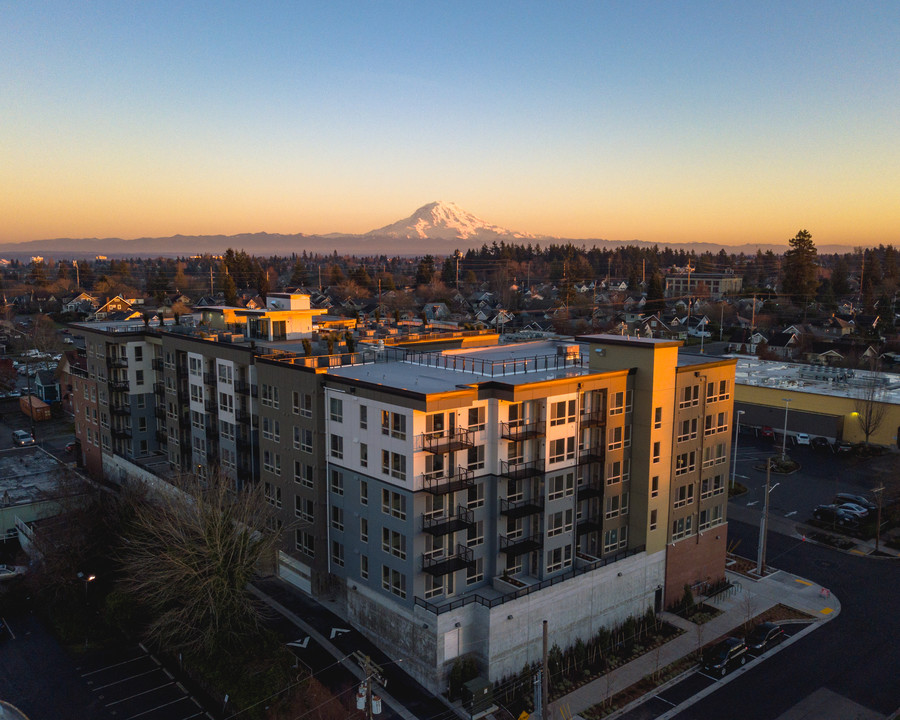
(664, 121)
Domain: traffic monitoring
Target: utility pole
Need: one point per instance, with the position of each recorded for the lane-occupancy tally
(880, 491)
(211, 289)
(545, 680)
(764, 524)
(457, 271)
(753, 315)
(373, 674)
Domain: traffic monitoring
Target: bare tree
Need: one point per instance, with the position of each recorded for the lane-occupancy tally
(870, 407)
(188, 556)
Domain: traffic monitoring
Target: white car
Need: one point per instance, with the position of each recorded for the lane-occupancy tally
(7, 572)
(22, 437)
(801, 439)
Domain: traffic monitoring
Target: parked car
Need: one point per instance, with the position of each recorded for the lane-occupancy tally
(766, 432)
(22, 437)
(820, 443)
(856, 510)
(8, 572)
(70, 447)
(834, 514)
(764, 635)
(801, 439)
(842, 447)
(724, 655)
(860, 500)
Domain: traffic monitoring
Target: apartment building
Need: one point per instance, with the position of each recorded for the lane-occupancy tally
(716, 285)
(450, 499)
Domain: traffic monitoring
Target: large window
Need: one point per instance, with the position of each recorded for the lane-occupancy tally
(393, 464)
(336, 409)
(559, 486)
(269, 395)
(337, 446)
(393, 542)
(476, 418)
(683, 496)
(393, 424)
(562, 412)
(393, 581)
(559, 558)
(393, 504)
(562, 449)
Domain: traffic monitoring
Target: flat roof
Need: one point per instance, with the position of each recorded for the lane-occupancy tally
(816, 380)
(29, 475)
(434, 372)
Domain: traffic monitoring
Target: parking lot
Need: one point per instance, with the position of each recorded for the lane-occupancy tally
(130, 683)
(693, 683)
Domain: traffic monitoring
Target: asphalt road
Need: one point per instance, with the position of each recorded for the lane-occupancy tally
(854, 657)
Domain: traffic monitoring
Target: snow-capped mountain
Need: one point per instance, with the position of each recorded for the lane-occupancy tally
(445, 221)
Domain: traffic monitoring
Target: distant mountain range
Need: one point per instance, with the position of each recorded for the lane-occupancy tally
(438, 228)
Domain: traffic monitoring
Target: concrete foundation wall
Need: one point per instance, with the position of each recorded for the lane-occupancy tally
(576, 608)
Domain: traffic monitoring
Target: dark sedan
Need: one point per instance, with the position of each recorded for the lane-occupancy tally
(764, 636)
(835, 515)
(724, 655)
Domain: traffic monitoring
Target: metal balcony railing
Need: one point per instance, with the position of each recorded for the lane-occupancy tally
(521, 470)
(450, 440)
(436, 525)
(520, 545)
(518, 431)
(521, 508)
(438, 483)
(446, 564)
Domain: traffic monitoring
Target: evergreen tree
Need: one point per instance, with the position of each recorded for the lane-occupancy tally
(299, 275)
(425, 271)
(799, 271)
(229, 290)
(655, 293)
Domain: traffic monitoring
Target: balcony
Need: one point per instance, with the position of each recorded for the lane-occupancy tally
(121, 409)
(521, 508)
(590, 490)
(159, 388)
(588, 526)
(594, 418)
(209, 378)
(445, 564)
(437, 483)
(121, 433)
(117, 362)
(521, 470)
(157, 364)
(591, 456)
(517, 431)
(243, 388)
(118, 385)
(211, 406)
(162, 437)
(446, 524)
(444, 441)
(160, 412)
(513, 547)
(212, 432)
(245, 416)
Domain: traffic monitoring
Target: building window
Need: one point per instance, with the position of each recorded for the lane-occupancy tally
(712, 486)
(654, 486)
(617, 406)
(269, 395)
(560, 486)
(306, 543)
(475, 573)
(476, 418)
(304, 509)
(475, 498)
(196, 393)
(653, 519)
(616, 505)
(336, 409)
(559, 523)
(363, 492)
(363, 417)
(681, 527)
(690, 396)
(475, 534)
(687, 430)
(364, 455)
(271, 429)
(337, 518)
(393, 504)
(685, 463)
(559, 558)
(683, 496)
(393, 464)
(562, 449)
(475, 458)
(303, 474)
(195, 366)
(393, 581)
(337, 446)
(364, 530)
(273, 494)
(272, 462)
(337, 553)
(364, 567)
(615, 538)
(393, 543)
(393, 424)
(562, 412)
(337, 482)
(306, 405)
(657, 418)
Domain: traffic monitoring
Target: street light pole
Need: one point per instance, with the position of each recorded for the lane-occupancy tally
(737, 434)
(764, 524)
(880, 491)
(787, 402)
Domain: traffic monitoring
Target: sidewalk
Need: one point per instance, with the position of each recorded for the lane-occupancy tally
(752, 598)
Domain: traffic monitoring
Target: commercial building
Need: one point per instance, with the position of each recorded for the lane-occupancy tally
(715, 285)
(450, 499)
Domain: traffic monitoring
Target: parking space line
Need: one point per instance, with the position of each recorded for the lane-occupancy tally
(8, 628)
(131, 697)
(158, 707)
(802, 582)
(109, 667)
(130, 677)
(700, 672)
(659, 697)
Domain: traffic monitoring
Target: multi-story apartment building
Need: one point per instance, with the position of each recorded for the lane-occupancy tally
(452, 500)
(716, 285)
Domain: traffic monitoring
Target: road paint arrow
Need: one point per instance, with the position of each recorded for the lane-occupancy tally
(337, 631)
(300, 643)
(752, 503)
(792, 512)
